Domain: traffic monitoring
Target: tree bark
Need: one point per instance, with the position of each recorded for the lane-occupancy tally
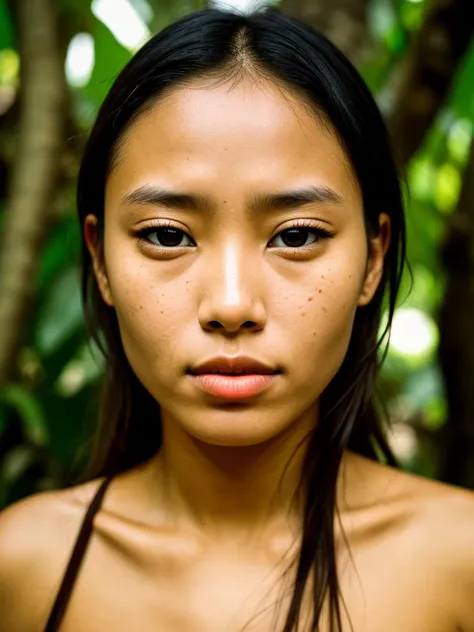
(428, 71)
(344, 22)
(456, 348)
(29, 203)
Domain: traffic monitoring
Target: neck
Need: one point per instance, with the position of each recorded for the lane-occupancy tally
(235, 494)
(231, 492)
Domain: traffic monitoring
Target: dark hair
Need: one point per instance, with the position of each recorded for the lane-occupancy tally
(273, 45)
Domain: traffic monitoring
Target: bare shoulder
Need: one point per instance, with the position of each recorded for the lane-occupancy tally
(36, 537)
(441, 534)
(446, 521)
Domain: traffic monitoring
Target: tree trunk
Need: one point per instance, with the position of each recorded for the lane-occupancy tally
(428, 71)
(31, 194)
(456, 349)
(344, 22)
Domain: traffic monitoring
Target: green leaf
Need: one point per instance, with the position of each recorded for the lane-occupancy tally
(143, 9)
(16, 462)
(110, 58)
(459, 140)
(422, 178)
(29, 411)
(462, 96)
(447, 187)
(7, 39)
(84, 368)
(425, 386)
(3, 418)
(61, 249)
(61, 314)
(412, 13)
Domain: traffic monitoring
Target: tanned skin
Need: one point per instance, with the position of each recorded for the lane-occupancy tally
(195, 539)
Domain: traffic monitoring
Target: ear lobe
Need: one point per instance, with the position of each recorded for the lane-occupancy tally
(98, 264)
(104, 287)
(375, 265)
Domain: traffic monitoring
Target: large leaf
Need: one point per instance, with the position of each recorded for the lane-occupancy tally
(61, 314)
(29, 410)
(7, 39)
(110, 58)
(15, 463)
(462, 97)
(61, 250)
(83, 369)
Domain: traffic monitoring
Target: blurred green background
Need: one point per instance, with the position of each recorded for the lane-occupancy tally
(58, 59)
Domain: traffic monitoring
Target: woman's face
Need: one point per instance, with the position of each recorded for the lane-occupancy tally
(230, 279)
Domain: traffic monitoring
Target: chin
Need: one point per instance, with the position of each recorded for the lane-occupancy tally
(234, 437)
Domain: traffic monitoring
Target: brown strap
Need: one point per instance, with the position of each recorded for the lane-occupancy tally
(77, 556)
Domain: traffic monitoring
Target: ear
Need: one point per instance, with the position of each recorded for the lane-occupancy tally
(96, 252)
(378, 249)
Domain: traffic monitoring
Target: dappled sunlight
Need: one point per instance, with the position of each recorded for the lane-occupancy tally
(123, 20)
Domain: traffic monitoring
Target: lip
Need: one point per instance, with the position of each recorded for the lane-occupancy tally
(234, 387)
(232, 364)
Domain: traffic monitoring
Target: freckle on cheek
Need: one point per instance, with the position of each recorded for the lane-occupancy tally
(311, 298)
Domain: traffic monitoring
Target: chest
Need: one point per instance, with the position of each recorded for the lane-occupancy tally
(388, 592)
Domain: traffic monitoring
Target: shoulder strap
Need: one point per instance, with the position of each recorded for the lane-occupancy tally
(72, 570)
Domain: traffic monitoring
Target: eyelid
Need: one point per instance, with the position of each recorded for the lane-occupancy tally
(313, 224)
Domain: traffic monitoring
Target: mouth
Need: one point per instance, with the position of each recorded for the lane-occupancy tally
(233, 373)
(236, 385)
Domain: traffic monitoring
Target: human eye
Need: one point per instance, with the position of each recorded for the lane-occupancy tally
(298, 234)
(163, 235)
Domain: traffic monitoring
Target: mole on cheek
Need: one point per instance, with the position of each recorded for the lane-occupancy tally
(310, 298)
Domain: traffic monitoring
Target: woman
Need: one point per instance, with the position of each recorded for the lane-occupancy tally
(242, 221)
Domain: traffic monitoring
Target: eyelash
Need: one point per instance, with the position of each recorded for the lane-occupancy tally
(321, 234)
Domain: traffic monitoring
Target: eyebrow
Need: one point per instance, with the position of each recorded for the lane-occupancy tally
(149, 194)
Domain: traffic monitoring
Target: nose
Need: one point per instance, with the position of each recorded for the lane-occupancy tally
(233, 293)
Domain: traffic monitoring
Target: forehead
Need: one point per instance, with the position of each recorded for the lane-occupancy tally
(256, 134)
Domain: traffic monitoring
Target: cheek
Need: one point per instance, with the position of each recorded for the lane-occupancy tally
(148, 311)
(323, 320)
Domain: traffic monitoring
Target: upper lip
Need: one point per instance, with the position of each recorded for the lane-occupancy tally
(233, 364)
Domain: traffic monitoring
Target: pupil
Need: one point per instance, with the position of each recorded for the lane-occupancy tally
(170, 236)
(293, 237)
(293, 233)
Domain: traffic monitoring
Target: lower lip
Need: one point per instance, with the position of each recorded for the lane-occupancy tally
(236, 386)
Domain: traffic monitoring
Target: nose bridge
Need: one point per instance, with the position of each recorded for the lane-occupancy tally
(233, 294)
(233, 284)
